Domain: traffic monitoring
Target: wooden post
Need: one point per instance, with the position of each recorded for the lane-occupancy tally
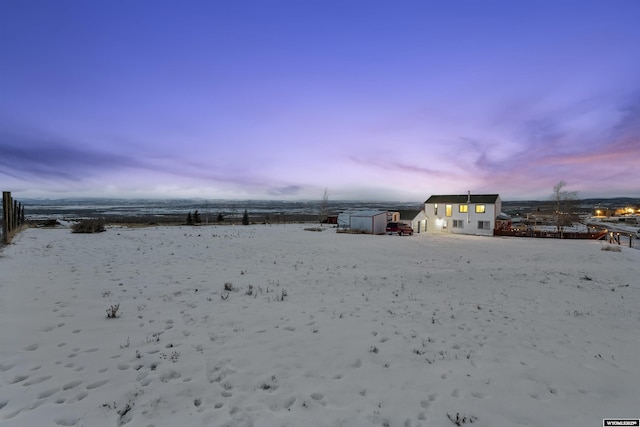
(14, 215)
(6, 202)
(10, 217)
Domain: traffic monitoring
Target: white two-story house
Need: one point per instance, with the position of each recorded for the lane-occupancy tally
(463, 214)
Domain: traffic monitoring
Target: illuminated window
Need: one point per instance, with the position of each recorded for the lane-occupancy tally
(435, 209)
(448, 210)
(480, 208)
(458, 223)
(463, 208)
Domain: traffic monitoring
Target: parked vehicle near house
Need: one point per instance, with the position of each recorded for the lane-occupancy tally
(399, 228)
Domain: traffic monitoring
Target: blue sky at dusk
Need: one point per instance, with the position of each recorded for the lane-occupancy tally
(281, 99)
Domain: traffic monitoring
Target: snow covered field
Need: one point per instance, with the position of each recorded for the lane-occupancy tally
(315, 329)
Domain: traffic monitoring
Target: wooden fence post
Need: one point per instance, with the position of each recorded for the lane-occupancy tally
(12, 216)
(6, 202)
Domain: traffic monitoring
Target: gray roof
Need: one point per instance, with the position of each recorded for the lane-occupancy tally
(409, 213)
(462, 198)
(364, 213)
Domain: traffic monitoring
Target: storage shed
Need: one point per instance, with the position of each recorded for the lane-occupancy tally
(371, 222)
(416, 218)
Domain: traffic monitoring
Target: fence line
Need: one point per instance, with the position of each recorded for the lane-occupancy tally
(12, 216)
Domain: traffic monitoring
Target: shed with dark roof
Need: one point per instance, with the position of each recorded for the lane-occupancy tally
(415, 218)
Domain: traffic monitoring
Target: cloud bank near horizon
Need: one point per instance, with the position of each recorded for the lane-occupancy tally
(370, 102)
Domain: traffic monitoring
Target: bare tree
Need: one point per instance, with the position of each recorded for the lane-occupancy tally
(564, 204)
(324, 204)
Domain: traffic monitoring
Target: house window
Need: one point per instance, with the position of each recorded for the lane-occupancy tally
(435, 209)
(481, 208)
(463, 208)
(448, 210)
(458, 223)
(484, 225)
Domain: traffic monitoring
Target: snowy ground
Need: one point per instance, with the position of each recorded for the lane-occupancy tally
(320, 329)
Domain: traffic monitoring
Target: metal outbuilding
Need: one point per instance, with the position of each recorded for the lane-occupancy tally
(370, 222)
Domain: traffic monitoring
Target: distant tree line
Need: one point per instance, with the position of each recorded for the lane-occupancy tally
(193, 219)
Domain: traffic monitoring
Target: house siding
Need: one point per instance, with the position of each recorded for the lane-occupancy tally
(438, 221)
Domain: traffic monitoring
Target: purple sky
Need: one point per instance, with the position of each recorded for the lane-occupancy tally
(281, 99)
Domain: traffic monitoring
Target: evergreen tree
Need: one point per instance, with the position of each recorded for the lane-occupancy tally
(196, 217)
(245, 218)
(220, 217)
(189, 219)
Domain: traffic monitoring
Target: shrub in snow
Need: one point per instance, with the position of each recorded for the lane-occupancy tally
(460, 420)
(88, 226)
(112, 312)
(348, 231)
(611, 248)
